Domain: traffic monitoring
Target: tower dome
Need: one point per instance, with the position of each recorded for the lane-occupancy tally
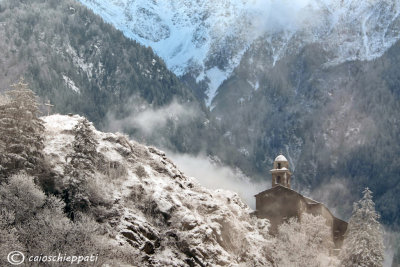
(280, 173)
(281, 158)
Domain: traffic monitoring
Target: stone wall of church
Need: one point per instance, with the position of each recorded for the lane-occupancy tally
(279, 204)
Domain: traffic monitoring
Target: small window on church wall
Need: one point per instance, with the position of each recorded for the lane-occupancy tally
(279, 166)
(278, 179)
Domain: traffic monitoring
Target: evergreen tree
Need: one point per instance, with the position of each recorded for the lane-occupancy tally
(363, 244)
(80, 168)
(21, 131)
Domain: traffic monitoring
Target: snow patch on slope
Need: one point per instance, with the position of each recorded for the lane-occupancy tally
(71, 84)
(217, 77)
(81, 62)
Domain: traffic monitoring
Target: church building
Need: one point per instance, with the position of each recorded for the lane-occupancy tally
(280, 203)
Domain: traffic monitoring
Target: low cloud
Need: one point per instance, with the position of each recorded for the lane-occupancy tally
(211, 173)
(147, 120)
(151, 119)
(153, 125)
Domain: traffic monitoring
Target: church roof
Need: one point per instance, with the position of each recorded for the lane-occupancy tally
(277, 187)
(280, 158)
(280, 187)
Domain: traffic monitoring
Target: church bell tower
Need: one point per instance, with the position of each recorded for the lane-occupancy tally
(280, 172)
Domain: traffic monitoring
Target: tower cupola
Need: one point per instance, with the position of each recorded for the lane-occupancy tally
(280, 172)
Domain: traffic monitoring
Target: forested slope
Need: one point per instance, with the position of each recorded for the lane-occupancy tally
(81, 64)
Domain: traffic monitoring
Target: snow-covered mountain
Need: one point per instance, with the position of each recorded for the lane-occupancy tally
(207, 39)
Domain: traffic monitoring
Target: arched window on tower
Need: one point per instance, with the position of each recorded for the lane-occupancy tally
(279, 165)
(278, 180)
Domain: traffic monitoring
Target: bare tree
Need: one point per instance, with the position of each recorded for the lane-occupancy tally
(303, 243)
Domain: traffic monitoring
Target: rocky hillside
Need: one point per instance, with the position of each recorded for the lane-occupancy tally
(163, 216)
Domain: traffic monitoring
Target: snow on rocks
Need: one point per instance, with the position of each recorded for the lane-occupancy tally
(58, 139)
